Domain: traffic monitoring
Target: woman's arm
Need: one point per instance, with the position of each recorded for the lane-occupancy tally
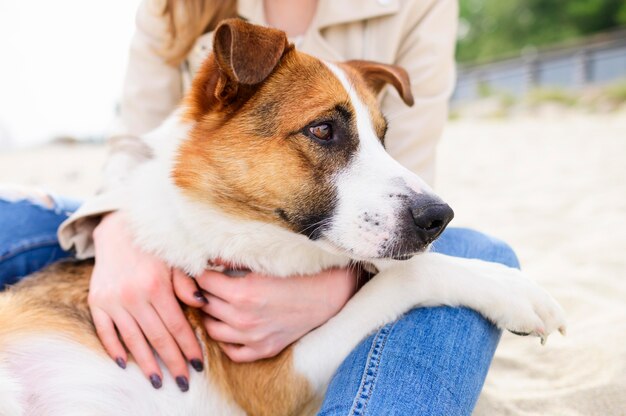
(427, 53)
(152, 87)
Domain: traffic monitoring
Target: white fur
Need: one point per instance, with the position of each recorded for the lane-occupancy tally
(10, 391)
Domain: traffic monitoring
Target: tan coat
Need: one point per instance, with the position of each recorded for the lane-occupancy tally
(418, 35)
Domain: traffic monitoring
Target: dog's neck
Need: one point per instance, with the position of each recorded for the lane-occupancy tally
(188, 233)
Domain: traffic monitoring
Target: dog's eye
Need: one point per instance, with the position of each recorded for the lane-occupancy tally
(322, 131)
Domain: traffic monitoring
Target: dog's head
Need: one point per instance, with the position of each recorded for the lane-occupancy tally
(281, 137)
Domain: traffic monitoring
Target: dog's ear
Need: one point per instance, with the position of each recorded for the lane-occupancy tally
(377, 75)
(247, 53)
(243, 56)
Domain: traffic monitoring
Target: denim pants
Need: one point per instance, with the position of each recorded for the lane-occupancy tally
(432, 361)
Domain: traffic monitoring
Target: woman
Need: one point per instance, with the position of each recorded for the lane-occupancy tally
(432, 361)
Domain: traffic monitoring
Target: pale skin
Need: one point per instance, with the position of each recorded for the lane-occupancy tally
(134, 295)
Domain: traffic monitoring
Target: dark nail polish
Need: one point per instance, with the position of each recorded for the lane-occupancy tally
(199, 296)
(156, 381)
(121, 363)
(236, 273)
(197, 365)
(183, 383)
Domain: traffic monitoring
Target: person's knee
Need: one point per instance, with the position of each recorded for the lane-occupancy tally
(447, 323)
(503, 253)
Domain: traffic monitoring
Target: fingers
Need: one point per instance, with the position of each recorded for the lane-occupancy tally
(222, 332)
(223, 311)
(164, 344)
(187, 290)
(136, 343)
(219, 284)
(178, 326)
(241, 346)
(244, 353)
(108, 335)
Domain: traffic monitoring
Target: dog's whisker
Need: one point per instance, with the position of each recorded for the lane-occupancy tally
(318, 225)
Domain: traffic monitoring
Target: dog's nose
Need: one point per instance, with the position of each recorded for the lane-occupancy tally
(431, 217)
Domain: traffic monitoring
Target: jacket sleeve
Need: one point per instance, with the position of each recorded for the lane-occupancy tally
(152, 89)
(427, 53)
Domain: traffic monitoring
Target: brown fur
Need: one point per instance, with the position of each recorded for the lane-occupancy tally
(55, 300)
(265, 388)
(256, 163)
(376, 75)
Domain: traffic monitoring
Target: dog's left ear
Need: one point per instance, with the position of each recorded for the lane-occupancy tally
(377, 75)
(243, 56)
(247, 53)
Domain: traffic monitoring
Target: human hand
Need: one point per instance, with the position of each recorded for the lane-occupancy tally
(134, 292)
(257, 316)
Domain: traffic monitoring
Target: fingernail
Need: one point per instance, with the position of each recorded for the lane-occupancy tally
(156, 381)
(200, 297)
(121, 363)
(197, 365)
(236, 273)
(183, 383)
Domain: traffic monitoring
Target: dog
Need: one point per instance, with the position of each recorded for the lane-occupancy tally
(274, 161)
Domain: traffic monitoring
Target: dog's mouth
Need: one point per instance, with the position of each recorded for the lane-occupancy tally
(410, 252)
(401, 252)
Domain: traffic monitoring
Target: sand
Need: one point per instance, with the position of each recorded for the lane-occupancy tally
(555, 189)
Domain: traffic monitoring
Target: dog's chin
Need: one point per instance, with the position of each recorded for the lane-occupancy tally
(357, 253)
(407, 255)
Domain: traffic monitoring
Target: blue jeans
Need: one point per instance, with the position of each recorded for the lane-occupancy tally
(432, 361)
(28, 236)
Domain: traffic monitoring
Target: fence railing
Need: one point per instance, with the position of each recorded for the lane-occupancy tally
(598, 60)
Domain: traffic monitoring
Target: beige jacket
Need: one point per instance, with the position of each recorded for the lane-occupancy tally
(418, 35)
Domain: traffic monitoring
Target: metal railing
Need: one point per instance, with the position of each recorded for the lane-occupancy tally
(597, 60)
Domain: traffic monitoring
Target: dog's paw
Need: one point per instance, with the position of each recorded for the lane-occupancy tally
(527, 309)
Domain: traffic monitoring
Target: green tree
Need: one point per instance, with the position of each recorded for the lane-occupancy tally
(496, 28)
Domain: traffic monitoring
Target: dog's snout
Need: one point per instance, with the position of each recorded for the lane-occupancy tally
(431, 217)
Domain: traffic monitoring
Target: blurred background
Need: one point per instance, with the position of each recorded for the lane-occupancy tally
(534, 153)
(62, 68)
(524, 53)
(61, 75)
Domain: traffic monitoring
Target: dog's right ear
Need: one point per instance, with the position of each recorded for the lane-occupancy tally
(243, 56)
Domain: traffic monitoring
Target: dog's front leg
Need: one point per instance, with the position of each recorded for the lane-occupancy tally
(501, 294)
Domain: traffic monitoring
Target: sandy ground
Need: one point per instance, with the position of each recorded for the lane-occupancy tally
(555, 189)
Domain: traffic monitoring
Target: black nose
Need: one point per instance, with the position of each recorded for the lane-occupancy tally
(431, 217)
